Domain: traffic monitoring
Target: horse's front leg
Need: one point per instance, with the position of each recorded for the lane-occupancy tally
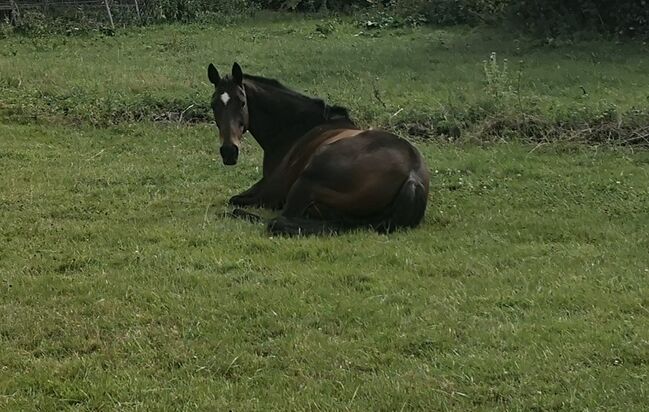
(267, 193)
(270, 192)
(273, 193)
(249, 197)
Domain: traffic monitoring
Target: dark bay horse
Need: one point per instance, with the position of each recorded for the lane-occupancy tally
(319, 168)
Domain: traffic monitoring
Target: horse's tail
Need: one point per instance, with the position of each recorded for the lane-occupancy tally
(409, 205)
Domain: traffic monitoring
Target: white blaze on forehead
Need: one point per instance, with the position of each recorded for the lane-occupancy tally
(225, 98)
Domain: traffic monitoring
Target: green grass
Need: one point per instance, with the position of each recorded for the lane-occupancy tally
(123, 287)
(429, 73)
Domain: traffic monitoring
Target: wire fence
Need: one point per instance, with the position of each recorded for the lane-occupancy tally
(111, 11)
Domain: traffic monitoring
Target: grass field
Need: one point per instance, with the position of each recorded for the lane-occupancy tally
(123, 287)
(429, 73)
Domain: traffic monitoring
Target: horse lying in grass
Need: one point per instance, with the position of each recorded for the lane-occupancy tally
(323, 172)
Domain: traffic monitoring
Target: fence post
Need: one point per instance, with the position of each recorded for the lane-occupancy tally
(15, 13)
(137, 9)
(110, 15)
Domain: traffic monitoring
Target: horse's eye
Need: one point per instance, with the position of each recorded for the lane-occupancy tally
(243, 104)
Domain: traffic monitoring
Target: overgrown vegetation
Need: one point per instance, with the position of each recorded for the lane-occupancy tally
(558, 17)
(451, 12)
(74, 22)
(546, 18)
(627, 18)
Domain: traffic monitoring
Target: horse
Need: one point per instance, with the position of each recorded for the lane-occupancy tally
(323, 172)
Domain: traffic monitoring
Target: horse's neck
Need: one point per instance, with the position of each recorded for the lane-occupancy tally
(275, 124)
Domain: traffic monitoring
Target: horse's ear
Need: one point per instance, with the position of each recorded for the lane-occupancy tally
(237, 74)
(213, 74)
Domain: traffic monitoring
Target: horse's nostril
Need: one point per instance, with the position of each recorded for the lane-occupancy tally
(229, 152)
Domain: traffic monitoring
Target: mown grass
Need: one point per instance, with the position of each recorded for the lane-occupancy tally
(122, 286)
(424, 75)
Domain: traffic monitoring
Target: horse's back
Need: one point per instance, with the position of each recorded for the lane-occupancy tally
(363, 153)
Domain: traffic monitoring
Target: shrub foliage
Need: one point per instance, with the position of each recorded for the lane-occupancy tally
(540, 17)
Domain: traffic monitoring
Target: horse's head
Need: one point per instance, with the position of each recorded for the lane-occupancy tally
(230, 111)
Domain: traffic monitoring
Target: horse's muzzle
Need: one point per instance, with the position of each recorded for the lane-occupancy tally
(229, 154)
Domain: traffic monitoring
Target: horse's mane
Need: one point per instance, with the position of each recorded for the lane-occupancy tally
(267, 81)
(331, 112)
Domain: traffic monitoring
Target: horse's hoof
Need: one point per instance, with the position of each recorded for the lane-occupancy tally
(274, 227)
(244, 215)
(238, 201)
(281, 226)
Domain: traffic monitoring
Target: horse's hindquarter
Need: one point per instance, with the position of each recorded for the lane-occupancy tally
(361, 171)
(298, 157)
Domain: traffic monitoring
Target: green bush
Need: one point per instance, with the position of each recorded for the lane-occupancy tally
(76, 22)
(558, 17)
(541, 17)
(184, 9)
(314, 5)
(451, 12)
(189, 10)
